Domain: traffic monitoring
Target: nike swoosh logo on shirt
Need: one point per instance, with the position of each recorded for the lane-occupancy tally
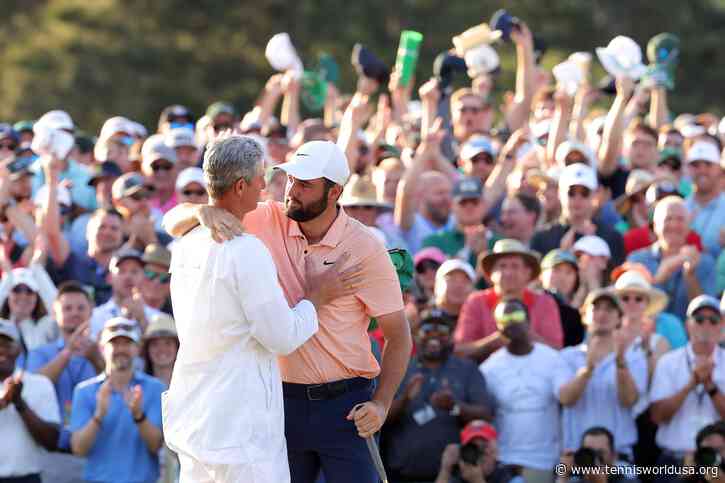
(328, 263)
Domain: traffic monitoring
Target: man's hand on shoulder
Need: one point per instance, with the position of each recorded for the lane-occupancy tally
(223, 225)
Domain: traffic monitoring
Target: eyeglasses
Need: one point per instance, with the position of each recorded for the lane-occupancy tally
(701, 319)
(151, 276)
(483, 158)
(635, 298)
(161, 167)
(427, 265)
(193, 192)
(580, 191)
(221, 127)
(8, 146)
(471, 109)
(434, 328)
(22, 289)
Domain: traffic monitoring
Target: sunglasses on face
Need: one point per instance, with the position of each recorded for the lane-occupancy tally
(221, 127)
(426, 266)
(635, 298)
(431, 328)
(580, 191)
(701, 319)
(193, 192)
(162, 277)
(22, 289)
(161, 167)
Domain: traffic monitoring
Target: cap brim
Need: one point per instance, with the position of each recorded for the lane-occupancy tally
(300, 171)
(121, 333)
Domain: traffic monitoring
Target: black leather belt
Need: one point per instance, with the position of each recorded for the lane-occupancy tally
(322, 392)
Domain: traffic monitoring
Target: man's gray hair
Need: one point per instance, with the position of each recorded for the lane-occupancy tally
(229, 159)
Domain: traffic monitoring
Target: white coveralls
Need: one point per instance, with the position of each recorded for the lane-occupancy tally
(223, 413)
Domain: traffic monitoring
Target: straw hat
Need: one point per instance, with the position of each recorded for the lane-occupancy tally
(637, 182)
(360, 191)
(634, 281)
(506, 247)
(161, 325)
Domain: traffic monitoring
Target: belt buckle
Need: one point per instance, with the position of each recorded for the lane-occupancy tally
(309, 392)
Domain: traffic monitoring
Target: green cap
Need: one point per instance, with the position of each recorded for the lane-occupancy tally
(557, 257)
(669, 153)
(403, 263)
(23, 126)
(220, 108)
(663, 48)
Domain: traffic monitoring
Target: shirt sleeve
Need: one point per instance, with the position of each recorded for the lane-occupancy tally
(662, 381)
(42, 399)
(37, 359)
(548, 322)
(84, 404)
(706, 275)
(273, 323)
(380, 290)
(562, 374)
(152, 404)
(471, 321)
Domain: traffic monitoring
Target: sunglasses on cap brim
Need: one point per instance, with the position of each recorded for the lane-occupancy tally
(428, 328)
(515, 317)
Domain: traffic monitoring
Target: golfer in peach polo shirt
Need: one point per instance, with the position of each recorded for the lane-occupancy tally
(333, 371)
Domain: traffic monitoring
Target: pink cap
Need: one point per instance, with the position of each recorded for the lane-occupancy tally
(429, 253)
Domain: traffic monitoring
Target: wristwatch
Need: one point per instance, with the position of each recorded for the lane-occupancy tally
(141, 419)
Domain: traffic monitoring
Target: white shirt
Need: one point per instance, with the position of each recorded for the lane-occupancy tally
(672, 373)
(21, 455)
(224, 404)
(525, 390)
(109, 310)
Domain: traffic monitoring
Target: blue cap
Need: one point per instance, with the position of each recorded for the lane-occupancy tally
(468, 188)
(477, 145)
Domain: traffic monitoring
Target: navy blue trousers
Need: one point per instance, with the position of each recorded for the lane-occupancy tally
(321, 440)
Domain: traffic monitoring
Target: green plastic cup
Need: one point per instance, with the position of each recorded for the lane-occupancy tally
(407, 54)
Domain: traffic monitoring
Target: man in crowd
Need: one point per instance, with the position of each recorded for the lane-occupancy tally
(519, 217)
(707, 203)
(510, 267)
(679, 269)
(577, 187)
(525, 380)
(131, 197)
(454, 282)
(28, 414)
(598, 443)
(191, 186)
(181, 140)
(478, 157)
(156, 282)
(126, 274)
(439, 394)
(688, 388)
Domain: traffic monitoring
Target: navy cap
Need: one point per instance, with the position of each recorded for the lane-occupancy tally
(107, 169)
(125, 254)
(468, 188)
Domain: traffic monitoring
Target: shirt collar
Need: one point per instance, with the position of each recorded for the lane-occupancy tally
(334, 234)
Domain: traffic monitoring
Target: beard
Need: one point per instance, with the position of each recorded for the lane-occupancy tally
(434, 350)
(438, 215)
(307, 212)
(121, 362)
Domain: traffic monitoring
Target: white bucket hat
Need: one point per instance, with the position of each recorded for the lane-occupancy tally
(481, 60)
(569, 76)
(622, 57)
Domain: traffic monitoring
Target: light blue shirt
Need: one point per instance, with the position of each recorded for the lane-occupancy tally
(672, 329)
(421, 229)
(81, 194)
(119, 454)
(599, 404)
(707, 221)
(676, 287)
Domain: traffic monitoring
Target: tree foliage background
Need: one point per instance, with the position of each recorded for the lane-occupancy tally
(102, 58)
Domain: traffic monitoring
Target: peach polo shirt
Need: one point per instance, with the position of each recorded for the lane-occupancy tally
(341, 347)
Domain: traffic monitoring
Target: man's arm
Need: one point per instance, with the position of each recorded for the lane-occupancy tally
(51, 221)
(627, 392)
(559, 125)
(44, 433)
(611, 147)
(151, 435)
(658, 110)
(572, 391)
(663, 410)
(520, 108)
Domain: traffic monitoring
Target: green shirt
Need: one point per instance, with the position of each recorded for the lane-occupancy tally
(453, 244)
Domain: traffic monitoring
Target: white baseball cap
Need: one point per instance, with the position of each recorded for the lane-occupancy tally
(180, 136)
(56, 119)
(115, 125)
(703, 151)
(190, 175)
(120, 327)
(577, 174)
(592, 245)
(455, 264)
(318, 159)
